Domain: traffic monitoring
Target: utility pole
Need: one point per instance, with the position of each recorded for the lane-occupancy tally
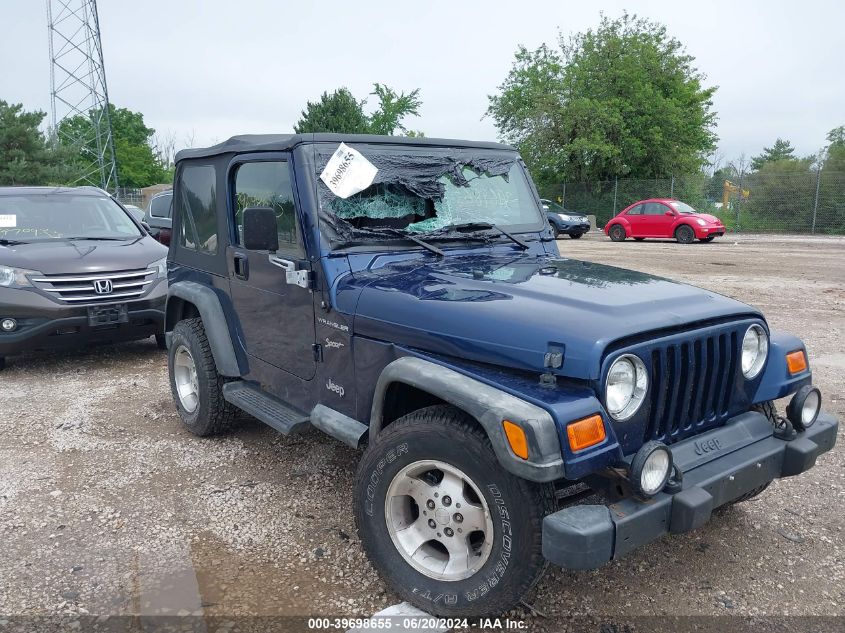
(79, 98)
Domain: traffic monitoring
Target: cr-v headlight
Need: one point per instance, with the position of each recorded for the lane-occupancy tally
(15, 277)
(755, 349)
(160, 267)
(627, 384)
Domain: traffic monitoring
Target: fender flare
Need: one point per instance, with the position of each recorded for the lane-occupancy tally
(489, 406)
(213, 320)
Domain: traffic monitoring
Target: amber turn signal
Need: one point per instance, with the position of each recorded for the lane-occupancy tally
(585, 433)
(516, 439)
(796, 361)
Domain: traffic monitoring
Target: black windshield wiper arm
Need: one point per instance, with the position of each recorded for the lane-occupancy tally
(5, 242)
(416, 240)
(98, 239)
(486, 226)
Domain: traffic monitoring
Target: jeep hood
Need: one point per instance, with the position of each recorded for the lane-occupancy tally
(82, 256)
(508, 310)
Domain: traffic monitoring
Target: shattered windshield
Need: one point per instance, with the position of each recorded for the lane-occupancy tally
(422, 192)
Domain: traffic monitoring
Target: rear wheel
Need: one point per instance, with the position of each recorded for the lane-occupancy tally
(684, 234)
(555, 232)
(196, 386)
(617, 233)
(450, 530)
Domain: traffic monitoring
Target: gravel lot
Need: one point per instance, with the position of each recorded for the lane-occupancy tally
(107, 506)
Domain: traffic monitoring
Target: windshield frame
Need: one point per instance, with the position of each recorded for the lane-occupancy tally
(22, 234)
(318, 156)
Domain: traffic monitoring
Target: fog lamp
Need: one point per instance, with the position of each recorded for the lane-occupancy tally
(8, 325)
(804, 407)
(651, 468)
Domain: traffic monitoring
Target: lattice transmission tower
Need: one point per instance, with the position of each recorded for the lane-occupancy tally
(79, 97)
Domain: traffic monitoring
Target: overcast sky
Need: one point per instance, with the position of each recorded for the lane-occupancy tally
(208, 69)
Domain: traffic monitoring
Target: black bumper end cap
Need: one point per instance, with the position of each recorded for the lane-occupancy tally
(799, 456)
(580, 537)
(691, 509)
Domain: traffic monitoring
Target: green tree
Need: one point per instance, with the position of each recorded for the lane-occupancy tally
(342, 113)
(621, 100)
(25, 156)
(780, 151)
(392, 108)
(337, 112)
(834, 156)
(137, 163)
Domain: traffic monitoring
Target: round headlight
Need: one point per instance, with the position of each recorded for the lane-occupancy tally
(804, 407)
(8, 325)
(627, 383)
(755, 349)
(651, 468)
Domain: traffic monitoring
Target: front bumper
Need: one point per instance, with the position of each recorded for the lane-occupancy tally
(709, 231)
(576, 228)
(588, 536)
(45, 324)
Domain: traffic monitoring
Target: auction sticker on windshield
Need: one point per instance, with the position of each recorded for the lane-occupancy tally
(348, 172)
(8, 221)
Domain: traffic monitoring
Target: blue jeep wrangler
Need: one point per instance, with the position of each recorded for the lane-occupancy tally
(517, 407)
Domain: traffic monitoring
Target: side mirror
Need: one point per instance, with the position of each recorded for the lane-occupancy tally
(146, 227)
(260, 232)
(670, 214)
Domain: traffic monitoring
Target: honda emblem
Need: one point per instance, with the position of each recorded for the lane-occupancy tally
(103, 286)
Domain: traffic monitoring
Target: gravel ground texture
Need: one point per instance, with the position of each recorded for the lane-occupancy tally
(108, 506)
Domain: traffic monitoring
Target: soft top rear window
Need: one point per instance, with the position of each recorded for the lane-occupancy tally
(424, 191)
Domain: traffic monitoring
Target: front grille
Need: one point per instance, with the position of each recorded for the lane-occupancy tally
(692, 385)
(127, 284)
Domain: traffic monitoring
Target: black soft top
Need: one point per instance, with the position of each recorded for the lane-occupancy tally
(282, 142)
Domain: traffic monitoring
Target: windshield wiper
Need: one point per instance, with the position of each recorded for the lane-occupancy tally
(5, 242)
(485, 226)
(423, 243)
(98, 239)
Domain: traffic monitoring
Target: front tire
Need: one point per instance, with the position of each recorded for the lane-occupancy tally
(684, 234)
(576, 236)
(196, 386)
(445, 525)
(555, 230)
(768, 409)
(617, 233)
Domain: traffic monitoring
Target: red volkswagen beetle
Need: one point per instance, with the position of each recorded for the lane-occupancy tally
(664, 217)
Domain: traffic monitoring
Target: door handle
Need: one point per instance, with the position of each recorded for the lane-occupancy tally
(241, 266)
(301, 278)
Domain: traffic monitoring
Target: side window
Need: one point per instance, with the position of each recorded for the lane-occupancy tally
(267, 184)
(637, 210)
(655, 208)
(197, 203)
(160, 206)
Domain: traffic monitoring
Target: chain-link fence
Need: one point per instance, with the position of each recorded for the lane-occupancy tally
(130, 196)
(799, 202)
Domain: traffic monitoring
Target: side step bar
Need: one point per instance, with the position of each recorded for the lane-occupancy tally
(250, 398)
(286, 420)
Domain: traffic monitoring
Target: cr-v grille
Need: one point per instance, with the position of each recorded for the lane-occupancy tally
(96, 287)
(692, 384)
